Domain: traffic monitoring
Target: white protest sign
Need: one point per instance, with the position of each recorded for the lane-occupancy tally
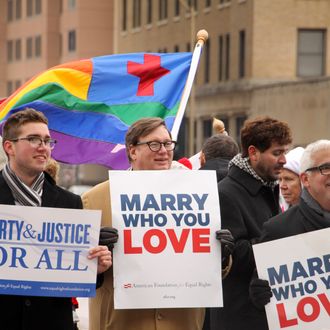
(297, 269)
(43, 251)
(167, 254)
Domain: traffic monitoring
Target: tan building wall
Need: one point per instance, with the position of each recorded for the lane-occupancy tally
(275, 29)
(271, 34)
(92, 22)
(271, 52)
(304, 105)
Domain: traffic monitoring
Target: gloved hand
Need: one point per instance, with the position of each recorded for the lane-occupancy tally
(260, 292)
(227, 243)
(108, 237)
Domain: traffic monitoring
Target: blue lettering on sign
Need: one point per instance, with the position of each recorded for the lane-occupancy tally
(163, 202)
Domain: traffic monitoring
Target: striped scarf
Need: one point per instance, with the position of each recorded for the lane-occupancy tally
(23, 194)
(243, 164)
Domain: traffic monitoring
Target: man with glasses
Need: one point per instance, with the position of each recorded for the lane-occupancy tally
(312, 212)
(149, 146)
(27, 144)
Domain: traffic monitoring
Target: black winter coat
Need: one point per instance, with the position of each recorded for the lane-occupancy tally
(245, 204)
(38, 313)
(296, 220)
(220, 165)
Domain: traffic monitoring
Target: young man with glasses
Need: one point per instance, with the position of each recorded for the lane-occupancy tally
(27, 144)
(312, 212)
(149, 146)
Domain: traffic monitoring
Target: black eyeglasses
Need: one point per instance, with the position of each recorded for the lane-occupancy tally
(156, 146)
(324, 169)
(36, 141)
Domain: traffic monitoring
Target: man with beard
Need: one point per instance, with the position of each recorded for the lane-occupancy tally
(249, 196)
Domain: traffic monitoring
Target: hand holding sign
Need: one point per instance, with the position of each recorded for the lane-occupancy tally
(108, 237)
(260, 292)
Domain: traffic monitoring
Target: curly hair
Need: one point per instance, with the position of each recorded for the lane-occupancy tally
(262, 132)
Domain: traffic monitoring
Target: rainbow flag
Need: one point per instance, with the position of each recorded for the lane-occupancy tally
(91, 103)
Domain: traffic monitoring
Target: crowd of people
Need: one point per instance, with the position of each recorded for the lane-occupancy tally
(266, 192)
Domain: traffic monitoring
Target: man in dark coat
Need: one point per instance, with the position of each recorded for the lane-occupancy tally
(248, 197)
(27, 143)
(216, 153)
(312, 212)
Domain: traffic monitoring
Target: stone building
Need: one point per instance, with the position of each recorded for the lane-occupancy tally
(263, 57)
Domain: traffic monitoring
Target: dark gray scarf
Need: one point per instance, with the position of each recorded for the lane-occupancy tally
(23, 194)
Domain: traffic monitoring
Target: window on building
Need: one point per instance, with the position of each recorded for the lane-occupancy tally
(220, 56)
(72, 4)
(227, 57)
(207, 61)
(38, 7)
(60, 47)
(207, 128)
(29, 46)
(18, 9)
(239, 124)
(37, 46)
(177, 8)
(72, 41)
(10, 50)
(17, 84)
(136, 13)
(29, 8)
(10, 88)
(124, 18)
(149, 11)
(208, 3)
(162, 9)
(18, 49)
(241, 54)
(10, 10)
(311, 53)
(192, 3)
(188, 47)
(176, 49)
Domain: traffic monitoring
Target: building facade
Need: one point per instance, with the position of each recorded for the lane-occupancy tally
(263, 57)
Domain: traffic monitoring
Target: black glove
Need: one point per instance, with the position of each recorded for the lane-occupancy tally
(227, 243)
(108, 237)
(260, 292)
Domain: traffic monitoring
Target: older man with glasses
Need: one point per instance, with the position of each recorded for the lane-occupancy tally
(27, 143)
(312, 212)
(149, 146)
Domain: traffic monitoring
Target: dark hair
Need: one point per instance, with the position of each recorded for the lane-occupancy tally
(141, 128)
(262, 132)
(11, 128)
(220, 145)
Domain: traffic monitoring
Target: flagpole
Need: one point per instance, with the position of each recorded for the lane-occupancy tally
(202, 36)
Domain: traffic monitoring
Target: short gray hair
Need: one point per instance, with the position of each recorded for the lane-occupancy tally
(307, 160)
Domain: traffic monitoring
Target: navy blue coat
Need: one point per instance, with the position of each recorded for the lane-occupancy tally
(38, 313)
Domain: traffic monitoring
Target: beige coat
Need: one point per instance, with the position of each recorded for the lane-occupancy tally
(102, 315)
